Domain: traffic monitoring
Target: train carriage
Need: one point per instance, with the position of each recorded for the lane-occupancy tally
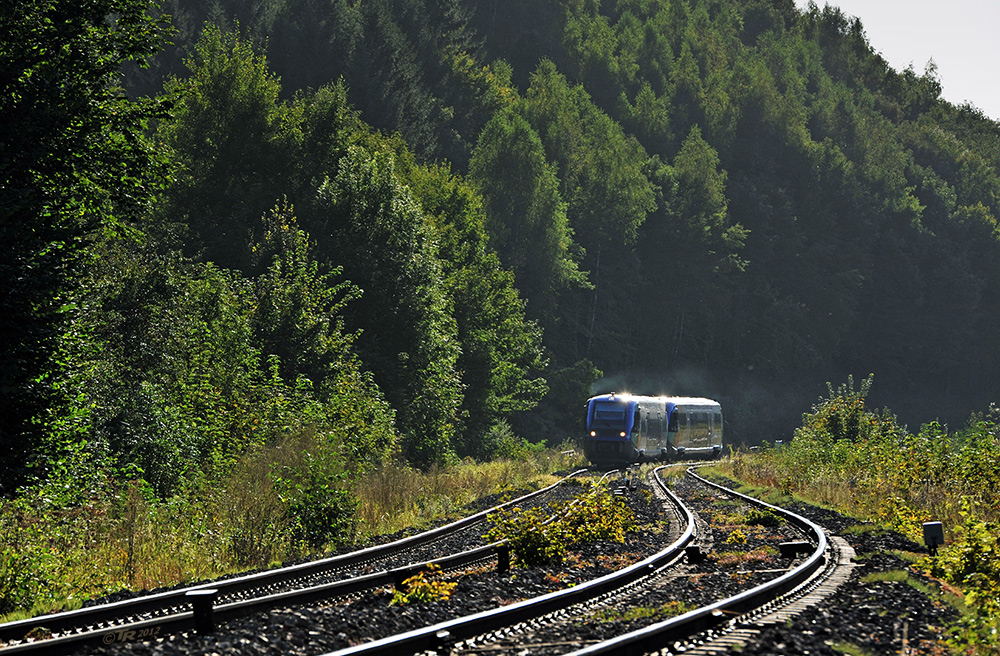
(622, 428)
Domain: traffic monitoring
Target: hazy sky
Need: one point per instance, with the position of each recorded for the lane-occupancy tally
(961, 36)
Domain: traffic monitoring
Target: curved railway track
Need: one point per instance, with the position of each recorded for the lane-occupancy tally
(538, 626)
(690, 631)
(510, 629)
(198, 608)
(446, 636)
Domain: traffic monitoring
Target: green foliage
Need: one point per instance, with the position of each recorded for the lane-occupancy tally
(701, 199)
(866, 465)
(600, 167)
(532, 540)
(464, 324)
(763, 517)
(972, 562)
(181, 367)
(501, 358)
(804, 206)
(842, 415)
(76, 161)
(597, 515)
(254, 526)
(537, 536)
(298, 311)
(692, 190)
(22, 565)
(608, 196)
(118, 534)
(410, 337)
(567, 386)
(421, 589)
(232, 138)
(525, 213)
(317, 495)
(500, 442)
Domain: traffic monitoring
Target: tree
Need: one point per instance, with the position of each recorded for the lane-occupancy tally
(525, 213)
(298, 309)
(608, 196)
(688, 250)
(376, 231)
(701, 198)
(501, 358)
(75, 160)
(233, 140)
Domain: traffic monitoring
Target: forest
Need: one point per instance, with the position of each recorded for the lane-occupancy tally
(729, 199)
(427, 230)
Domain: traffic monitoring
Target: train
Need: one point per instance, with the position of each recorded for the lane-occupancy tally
(626, 428)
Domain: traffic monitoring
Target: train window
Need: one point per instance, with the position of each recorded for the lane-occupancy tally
(608, 414)
(699, 426)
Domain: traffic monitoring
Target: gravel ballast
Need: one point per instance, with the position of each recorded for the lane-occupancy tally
(880, 617)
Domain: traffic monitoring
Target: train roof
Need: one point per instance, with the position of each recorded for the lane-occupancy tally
(676, 400)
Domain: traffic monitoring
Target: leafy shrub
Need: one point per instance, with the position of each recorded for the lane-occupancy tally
(972, 561)
(421, 589)
(536, 538)
(20, 567)
(868, 466)
(500, 441)
(254, 520)
(597, 515)
(320, 507)
(532, 539)
(763, 517)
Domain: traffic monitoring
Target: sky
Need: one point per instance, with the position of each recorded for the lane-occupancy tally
(959, 35)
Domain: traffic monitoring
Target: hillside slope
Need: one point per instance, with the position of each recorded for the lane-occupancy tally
(735, 198)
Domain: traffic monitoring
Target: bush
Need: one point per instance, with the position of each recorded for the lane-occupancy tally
(764, 517)
(866, 465)
(972, 562)
(421, 589)
(319, 504)
(500, 442)
(540, 538)
(532, 539)
(254, 520)
(21, 565)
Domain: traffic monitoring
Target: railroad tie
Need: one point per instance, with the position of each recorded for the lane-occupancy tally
(740, 635)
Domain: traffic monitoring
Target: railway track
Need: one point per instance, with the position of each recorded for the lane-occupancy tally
(549, 624)
(729, 621)
(199, 608)
(553, 623)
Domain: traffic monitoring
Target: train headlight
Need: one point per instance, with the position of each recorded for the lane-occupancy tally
(622, 433)
(593, 433)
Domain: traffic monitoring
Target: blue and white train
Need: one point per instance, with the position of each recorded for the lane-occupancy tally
(622, 428)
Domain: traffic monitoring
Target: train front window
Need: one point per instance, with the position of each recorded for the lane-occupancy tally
(608, 415)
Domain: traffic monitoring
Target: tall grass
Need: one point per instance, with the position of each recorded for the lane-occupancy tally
(120, 536)
(394, 497)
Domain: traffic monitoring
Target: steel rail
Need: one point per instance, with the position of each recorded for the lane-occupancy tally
(440, 635)
(663, 634)
(172, 604)
(188, 621)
